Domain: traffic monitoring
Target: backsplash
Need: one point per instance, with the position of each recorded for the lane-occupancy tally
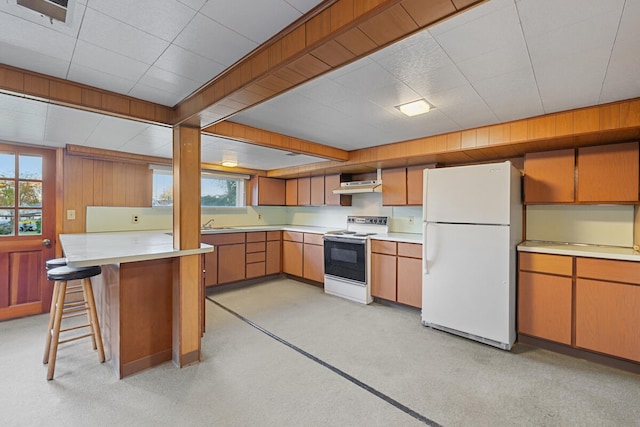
(588, 224)
(404, 219)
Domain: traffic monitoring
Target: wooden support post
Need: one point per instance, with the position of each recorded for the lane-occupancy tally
(186, 235)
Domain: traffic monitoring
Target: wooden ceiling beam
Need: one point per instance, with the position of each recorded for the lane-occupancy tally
(334, 34)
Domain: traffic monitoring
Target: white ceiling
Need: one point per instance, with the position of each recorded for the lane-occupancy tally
(501, 61)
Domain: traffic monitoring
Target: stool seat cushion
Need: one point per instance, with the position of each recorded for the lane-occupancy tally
(55, 263)
(68, 273)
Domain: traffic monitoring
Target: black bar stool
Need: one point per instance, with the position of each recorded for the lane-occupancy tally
(62, 310)
(70, 303)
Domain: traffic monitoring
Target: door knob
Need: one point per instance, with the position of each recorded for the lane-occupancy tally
(46, 242)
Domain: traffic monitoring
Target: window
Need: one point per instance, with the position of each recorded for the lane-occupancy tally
(20, 194)
(217, 189)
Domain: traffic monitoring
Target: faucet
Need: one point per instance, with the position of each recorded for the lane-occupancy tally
(207, 225)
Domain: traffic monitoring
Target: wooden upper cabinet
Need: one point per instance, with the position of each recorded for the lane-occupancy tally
(608, 173)
(268, 191)
(549, 177)
(317, 191)
(331, 182)
(414, 185)
(394, 187)
(304, 191)
(291, 192)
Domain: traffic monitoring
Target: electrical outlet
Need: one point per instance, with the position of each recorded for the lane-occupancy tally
(410, 220)
(259, 217)
(135, 219)
(71, 214)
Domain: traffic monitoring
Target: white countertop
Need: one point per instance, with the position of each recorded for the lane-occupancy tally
(399, 237)
(590, 251)
(88, 249)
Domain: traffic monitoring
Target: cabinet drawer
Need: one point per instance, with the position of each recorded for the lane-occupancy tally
(544, 263)
(224, 239)
(292, 236)
(255, 257)
(609, 270)
(410, 250)
(383, 247)
(256, 247)
(255, 270)
(256, 236)
(274, 235)
(313, 239)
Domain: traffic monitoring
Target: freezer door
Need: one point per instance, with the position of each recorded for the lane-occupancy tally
(477, 194)
(470, 285)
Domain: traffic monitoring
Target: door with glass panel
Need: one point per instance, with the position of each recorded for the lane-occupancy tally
(27, 229)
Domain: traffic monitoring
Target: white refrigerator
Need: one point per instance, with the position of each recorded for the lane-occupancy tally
(472, 222)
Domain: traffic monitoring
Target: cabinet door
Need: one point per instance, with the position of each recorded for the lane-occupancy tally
(273, 262)
(313, 264)
(394, 187)
(291, 190)
(544, 306)
(317, 191)
(304, 191)
(292, 258)
(414, 185)
(383, 276)
(269, 192)
(231, 263)
(410, 281)
(608, 173)
(607, 318)
(211, 268)
(549, 177)
(331, 182)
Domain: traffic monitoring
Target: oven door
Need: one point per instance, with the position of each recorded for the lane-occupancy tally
(346, 258)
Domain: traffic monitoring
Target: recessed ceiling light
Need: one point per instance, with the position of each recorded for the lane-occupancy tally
(414, 108)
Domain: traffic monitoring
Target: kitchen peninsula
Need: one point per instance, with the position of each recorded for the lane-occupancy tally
(135, 295)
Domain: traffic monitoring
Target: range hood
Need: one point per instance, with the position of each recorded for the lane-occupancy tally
(355, 187)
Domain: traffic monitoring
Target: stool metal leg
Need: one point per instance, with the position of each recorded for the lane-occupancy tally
(52, 315)
(55, 331)
(95, 326)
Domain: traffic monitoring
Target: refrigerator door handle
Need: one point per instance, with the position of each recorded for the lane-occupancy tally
(425, 269)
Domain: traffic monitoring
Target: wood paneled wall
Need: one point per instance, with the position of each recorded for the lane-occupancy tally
(91, 182)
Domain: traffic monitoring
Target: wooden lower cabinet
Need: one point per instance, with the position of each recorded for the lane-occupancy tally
(231, 263)
(409, 281)
(383, 276)
(396, 272)
(544, 306)
(313, 263)
(274, 253)
(292, 257)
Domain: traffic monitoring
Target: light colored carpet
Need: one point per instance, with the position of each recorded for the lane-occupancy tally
(248, 379)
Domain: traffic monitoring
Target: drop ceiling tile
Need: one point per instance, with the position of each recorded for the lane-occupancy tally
(70, 126)
(96, 78)
(34, 61)
(480, 36)
(107, 62)
(214, 41)
(193, 4)
(437, 80)
(304, 6)
(168, 82)
(394, 94)
(69, 28)
(496, 62)
(108, 33)
(322, 90)
(464, 106)
(160, 18)
(257, 21)
(22, 120)
(152, 94)
(365, 79)
(545, 16)
(469, 17)
(188, 64)
(115, 132)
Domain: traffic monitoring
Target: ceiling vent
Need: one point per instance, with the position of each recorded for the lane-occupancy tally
(54, 9)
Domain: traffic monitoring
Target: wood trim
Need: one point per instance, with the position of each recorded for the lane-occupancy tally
(279, 141)
(76, 95)
(115, 156)
(545, 263)
(307, 49)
